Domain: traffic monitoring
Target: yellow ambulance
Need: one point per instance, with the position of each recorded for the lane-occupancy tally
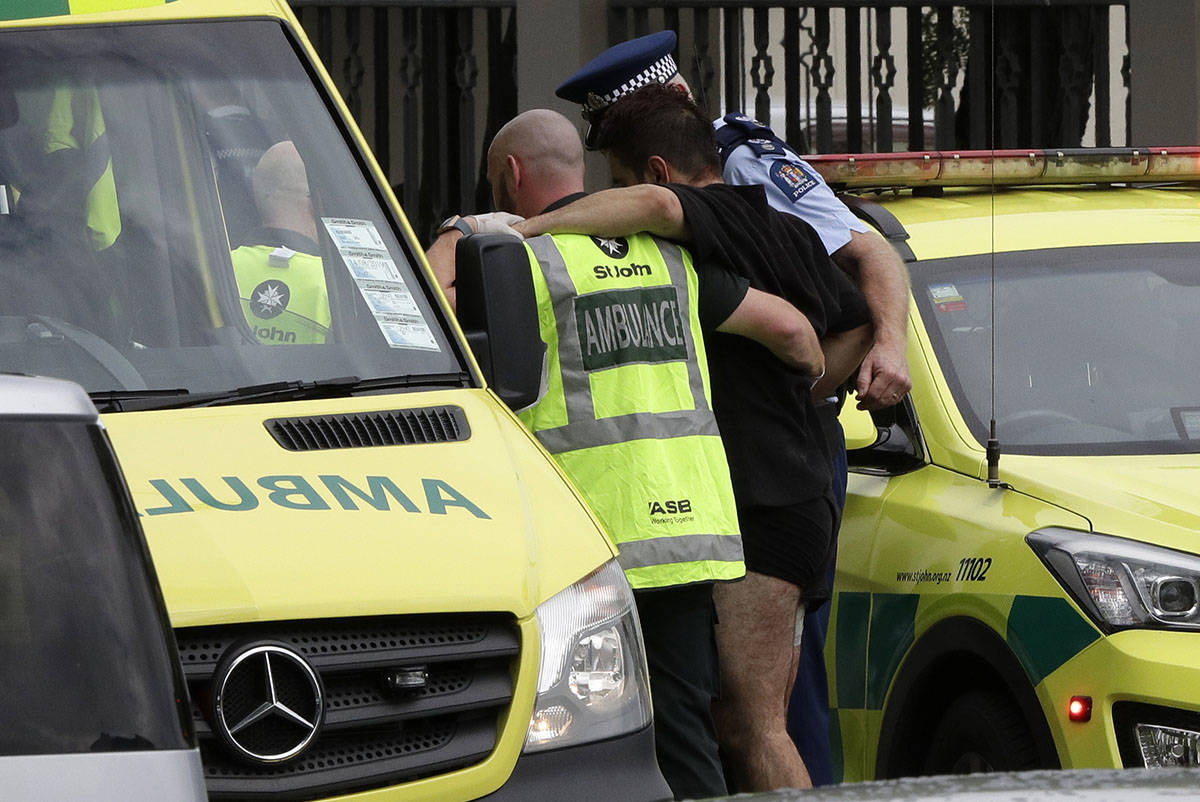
(1018, 570)
(380, 585)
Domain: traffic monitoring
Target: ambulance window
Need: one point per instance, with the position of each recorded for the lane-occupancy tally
(181, 209)
(87, 666)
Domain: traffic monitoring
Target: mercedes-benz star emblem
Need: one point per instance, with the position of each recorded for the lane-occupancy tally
(268, 703)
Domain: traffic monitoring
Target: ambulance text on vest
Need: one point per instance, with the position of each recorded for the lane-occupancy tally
(622, 327)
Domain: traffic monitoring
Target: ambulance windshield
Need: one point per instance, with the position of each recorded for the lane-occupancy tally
(1095, 346)
(180, 210)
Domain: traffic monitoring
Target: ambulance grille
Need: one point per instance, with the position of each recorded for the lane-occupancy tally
(395, 427)
(372, 736)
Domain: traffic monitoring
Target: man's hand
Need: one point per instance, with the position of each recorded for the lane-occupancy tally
(495, 223)
(883, 377)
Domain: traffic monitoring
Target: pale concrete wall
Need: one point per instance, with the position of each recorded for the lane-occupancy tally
(554, 39)
(1164, 43)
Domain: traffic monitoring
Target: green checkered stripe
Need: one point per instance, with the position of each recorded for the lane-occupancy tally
(30, 9)
(876, 630)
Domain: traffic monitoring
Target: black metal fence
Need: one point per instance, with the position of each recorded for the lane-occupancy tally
(972, 74)
(430, 81)
(428, 84)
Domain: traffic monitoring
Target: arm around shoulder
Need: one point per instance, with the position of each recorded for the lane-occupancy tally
(615, 213)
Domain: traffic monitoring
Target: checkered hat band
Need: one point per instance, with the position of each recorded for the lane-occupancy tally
(659, 72)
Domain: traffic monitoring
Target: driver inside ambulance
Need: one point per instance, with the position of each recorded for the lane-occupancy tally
(280, 277)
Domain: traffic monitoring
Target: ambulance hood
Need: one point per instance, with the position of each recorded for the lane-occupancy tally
(243, 529)
(1152, 498)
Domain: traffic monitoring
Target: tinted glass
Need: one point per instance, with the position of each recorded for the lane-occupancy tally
(1095, 347)
(85, 662)
(182, 210)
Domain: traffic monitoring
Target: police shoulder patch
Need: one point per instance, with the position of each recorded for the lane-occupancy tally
(793, 178)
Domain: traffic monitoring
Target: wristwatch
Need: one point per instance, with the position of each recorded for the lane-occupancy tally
(455, 221)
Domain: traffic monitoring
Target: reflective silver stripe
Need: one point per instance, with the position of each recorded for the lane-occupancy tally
(679, 549)
(576, 389)
(623, 428)
(583, 429)
(673, 257)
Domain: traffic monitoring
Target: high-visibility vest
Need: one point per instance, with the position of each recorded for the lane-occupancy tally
(76, 123)
(627, 410)
(283, 294)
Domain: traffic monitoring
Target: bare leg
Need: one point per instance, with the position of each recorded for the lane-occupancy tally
(755, 636)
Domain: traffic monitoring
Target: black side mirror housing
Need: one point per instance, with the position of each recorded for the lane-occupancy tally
(497, 310)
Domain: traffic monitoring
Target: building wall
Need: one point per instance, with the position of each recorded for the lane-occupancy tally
(1164, 43)
(554, 39)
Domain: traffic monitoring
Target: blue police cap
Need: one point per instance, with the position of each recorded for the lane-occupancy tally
(620, 70)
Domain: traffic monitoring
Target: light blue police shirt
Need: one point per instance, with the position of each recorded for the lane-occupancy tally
(792, 186)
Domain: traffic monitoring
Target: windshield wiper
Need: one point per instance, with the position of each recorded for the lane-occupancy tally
(323, 388)
(128, 400)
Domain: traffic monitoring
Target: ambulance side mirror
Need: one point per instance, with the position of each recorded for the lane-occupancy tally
(497, 310)
(858, 426)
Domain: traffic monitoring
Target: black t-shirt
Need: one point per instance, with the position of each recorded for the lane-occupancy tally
(773, 437)
(719, 290)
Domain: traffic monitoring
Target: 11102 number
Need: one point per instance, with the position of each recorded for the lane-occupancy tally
(973, 569)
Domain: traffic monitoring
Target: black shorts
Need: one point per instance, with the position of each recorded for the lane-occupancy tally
(792, 543)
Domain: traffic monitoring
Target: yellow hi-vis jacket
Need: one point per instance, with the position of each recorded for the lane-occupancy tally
(283, 294)
(627, 410)
(76, 123)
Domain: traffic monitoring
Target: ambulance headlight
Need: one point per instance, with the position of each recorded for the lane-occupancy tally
(593, 682)
(1168, 747)
(1123, 583)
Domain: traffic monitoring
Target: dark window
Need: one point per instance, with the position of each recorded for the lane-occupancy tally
(87, 665)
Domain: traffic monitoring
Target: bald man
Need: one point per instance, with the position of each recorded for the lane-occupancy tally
(281, 278)
(627, 414)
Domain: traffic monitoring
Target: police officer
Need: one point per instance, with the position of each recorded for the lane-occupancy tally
(751, 154)
(628, 416)
(281, 279)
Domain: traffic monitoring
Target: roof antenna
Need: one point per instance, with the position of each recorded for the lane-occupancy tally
(993, 443)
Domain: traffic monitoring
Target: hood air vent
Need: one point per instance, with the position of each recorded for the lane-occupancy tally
(395, 427)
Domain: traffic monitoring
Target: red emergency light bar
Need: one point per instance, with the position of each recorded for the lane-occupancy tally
(1009, 167)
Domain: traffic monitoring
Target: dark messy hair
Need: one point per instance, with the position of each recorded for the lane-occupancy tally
(659, 120)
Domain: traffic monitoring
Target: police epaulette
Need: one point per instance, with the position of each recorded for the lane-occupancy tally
(740, 130)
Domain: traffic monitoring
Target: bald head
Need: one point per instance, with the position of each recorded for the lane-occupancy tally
(280, 171)
(533, 161)
(281, 193)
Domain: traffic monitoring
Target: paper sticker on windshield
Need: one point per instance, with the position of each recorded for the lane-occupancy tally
(381, 284)
(947, 298)
(354, 234)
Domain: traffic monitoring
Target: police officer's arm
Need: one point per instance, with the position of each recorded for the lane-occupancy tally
(615, 213)
(875, 267)
(780, 327)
